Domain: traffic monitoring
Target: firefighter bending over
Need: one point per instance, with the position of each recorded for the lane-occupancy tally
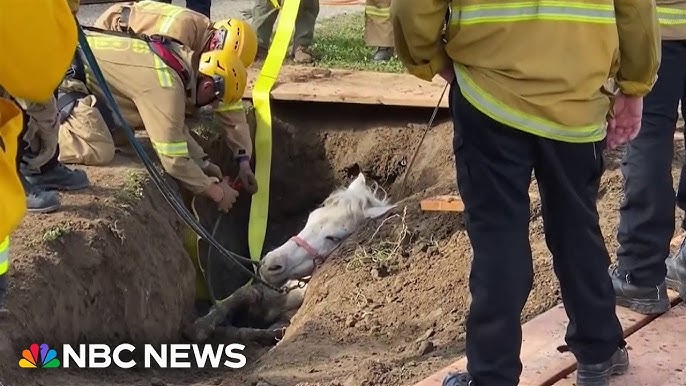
(201, 35)
(151, 81)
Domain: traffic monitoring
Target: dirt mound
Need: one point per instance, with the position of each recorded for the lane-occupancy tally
(109, 267)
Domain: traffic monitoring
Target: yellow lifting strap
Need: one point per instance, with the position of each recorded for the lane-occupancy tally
(259, 209)
(276, 4)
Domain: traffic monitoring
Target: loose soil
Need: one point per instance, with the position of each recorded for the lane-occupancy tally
(387, 309)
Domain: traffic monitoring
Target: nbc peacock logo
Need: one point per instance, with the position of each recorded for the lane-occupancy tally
(39, 357)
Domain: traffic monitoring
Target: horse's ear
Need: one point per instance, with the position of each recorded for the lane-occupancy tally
(359, 183)
(377, 211)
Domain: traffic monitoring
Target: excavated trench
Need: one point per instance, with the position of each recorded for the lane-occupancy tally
(314, 153)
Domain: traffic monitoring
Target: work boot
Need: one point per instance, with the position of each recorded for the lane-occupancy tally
(458, 379)
(644, 300)
(599, 374)
(60, 178)
(383, 54)
(676, 271)
(302, 54)
(39, 200)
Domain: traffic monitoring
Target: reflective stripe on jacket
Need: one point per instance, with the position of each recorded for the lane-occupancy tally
(672, 16)
(4, 255)
(538, 65)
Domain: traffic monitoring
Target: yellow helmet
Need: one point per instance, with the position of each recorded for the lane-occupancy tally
(239, 38)
(229, 74)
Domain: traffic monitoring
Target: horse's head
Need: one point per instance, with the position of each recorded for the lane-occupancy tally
(342, 213)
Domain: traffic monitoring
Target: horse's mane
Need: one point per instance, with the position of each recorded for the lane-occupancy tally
(356, 201)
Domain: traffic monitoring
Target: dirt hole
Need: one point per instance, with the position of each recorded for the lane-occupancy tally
(387, 309)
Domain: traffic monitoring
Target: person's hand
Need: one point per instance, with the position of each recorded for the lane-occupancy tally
(448, 74)
(247, 177)
(212, 170)
(624, 123)
(222, 194)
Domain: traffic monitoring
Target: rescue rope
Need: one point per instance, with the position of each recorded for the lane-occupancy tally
(421, 141)
(167, 192)
(259, 206)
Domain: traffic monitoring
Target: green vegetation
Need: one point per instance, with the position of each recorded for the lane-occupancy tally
(56, 232)
(340, 42)
(132, 191)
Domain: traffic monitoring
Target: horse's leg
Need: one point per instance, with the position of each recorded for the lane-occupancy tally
(265, 336)
(204, 326)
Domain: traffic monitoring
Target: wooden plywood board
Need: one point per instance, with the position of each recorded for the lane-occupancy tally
(443, 204)
(656, 353)
(452, 203)
(299, 83)
(543, 363)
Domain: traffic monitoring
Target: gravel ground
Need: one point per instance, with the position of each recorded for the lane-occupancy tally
(220, 9)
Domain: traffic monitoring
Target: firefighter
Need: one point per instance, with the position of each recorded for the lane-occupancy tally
(40, 168)
(646, 215)
(527, 95)
(378, 30)
(150, 82)
(264, 16)
(54, 31)
(201, 35)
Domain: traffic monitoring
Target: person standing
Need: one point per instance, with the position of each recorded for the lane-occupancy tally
(646, 215)
(200, 6)
(520, 105)
(378, 30)
(55, 31)
(264, 16)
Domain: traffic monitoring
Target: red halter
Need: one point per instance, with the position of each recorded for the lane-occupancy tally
(316, 257)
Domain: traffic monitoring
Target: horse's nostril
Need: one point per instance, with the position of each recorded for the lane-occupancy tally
(274, 268)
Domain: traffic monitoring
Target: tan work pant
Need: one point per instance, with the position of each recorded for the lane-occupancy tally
(264, 17)
(378, 30)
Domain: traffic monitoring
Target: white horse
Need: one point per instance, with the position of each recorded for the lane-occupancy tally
(343, 213)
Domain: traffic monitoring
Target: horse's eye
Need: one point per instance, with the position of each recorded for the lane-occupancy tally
(334, 239)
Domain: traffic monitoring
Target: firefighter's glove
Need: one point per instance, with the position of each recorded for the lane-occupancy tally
(247, 177)
(222, 194)
(212, 170)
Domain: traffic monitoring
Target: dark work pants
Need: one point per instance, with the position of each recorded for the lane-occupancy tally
(494, 165)
(646, 221)
(200, 6)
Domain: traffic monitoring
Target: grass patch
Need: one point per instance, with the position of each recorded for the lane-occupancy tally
(340, 41)
(132, 191)
(56, 232)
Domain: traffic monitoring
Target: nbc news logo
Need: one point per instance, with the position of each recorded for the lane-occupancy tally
(171, 356)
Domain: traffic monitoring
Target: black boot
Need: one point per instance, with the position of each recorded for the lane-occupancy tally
(458, 379)
(382, 54)
(39, 200)
(59, 177)
(644, 300)
(599, 374)
(676, 271)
